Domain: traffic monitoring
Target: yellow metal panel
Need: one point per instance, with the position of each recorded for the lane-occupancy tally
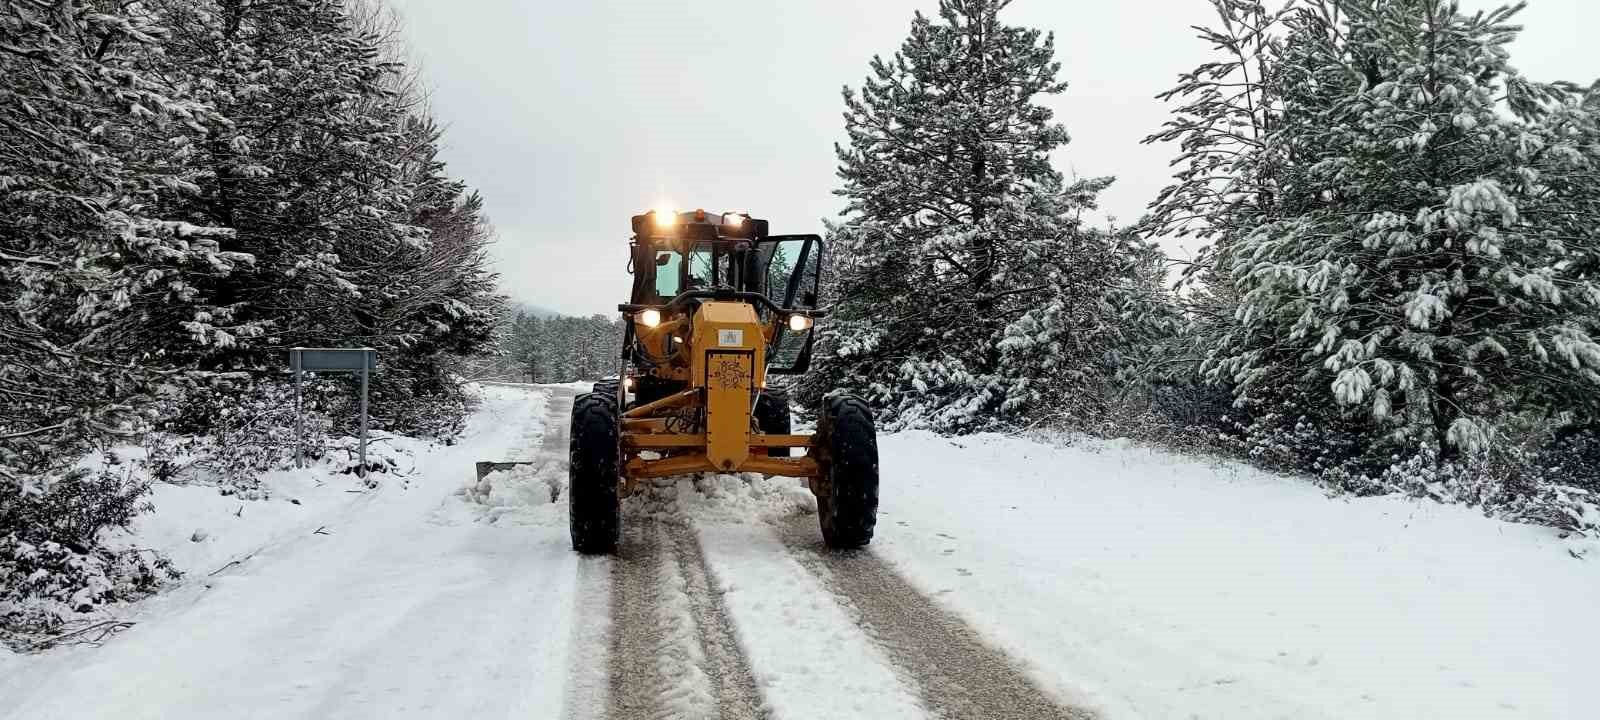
(743, 333)
(728, 378)
(728, 358)
(718, 311)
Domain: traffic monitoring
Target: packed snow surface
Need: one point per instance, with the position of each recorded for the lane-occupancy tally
(1120, 581)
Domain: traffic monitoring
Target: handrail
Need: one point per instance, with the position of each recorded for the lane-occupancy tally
(683, 298)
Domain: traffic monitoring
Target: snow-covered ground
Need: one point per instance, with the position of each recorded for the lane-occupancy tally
(1159, 586)
(1011, 577)
(367, 607)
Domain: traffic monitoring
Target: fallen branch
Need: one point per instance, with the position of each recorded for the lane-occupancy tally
(230, 564)
(80, 636)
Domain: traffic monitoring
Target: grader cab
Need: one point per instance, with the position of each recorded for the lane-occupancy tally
(719, 308)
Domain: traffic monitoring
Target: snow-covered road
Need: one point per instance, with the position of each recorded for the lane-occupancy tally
(1011, 578)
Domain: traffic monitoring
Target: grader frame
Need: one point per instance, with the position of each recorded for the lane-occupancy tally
(717, 306)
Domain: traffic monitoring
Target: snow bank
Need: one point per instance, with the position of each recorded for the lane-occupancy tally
(525, 494)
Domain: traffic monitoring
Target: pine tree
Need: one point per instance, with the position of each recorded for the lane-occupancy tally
(1425, 257)
(328, 177)
(88, 262)
(86, 256)
(1083, 352)
(953, 214)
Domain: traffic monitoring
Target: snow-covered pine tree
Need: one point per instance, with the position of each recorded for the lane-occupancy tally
(329, 176)
(303, 174)
(1083, 351)
(1428, 256)
(87, 262)
(1224, 182)
(938, 254)
(431, 302)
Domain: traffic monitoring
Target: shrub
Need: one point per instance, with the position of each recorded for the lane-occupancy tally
(52, 563)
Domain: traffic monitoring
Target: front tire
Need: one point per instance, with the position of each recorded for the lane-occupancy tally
(594, 506)
(848, 512)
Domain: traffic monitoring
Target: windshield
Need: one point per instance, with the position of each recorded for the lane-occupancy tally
(701, 267)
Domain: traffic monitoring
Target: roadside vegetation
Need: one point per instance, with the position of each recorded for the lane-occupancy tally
(1397, 291)
(187, 190)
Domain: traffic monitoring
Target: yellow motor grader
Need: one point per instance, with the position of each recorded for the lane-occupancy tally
(718, 308)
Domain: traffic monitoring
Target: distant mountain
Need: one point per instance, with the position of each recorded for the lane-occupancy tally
(526, 308)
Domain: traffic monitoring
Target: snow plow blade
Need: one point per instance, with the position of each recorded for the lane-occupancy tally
(486, 467)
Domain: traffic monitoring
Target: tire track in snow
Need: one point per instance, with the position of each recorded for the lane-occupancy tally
(955, 673)
(738, 695)
(636, 682)
(672, 648)
(586, 684)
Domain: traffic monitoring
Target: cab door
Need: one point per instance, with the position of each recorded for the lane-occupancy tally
(790, 269)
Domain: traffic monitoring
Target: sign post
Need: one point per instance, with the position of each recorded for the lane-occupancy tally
(301, 360)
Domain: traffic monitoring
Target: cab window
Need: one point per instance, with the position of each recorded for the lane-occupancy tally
(701, 270)
(669, 267)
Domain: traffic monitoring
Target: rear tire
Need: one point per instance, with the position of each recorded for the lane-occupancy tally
(608, 388)
(848, 514)
(772, 418)
(594, 506)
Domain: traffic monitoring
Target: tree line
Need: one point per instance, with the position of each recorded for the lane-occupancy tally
(561, 348)
(1398, 288)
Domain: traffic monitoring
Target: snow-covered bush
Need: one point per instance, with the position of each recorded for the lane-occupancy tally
(52, 561)
(228, 431)
(1571, 457)
(45, 585)
(420, 399)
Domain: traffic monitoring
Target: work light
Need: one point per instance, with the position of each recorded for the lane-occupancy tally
(799, 323)
(650, 317)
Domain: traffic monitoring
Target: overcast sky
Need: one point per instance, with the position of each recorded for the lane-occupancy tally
(571, 116)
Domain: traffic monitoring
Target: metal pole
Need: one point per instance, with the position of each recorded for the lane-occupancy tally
(299, 418)
(363, 416)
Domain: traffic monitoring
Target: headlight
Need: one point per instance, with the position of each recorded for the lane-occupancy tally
(649, 318)
(799, 323)
(664, 217)
(733, 219)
